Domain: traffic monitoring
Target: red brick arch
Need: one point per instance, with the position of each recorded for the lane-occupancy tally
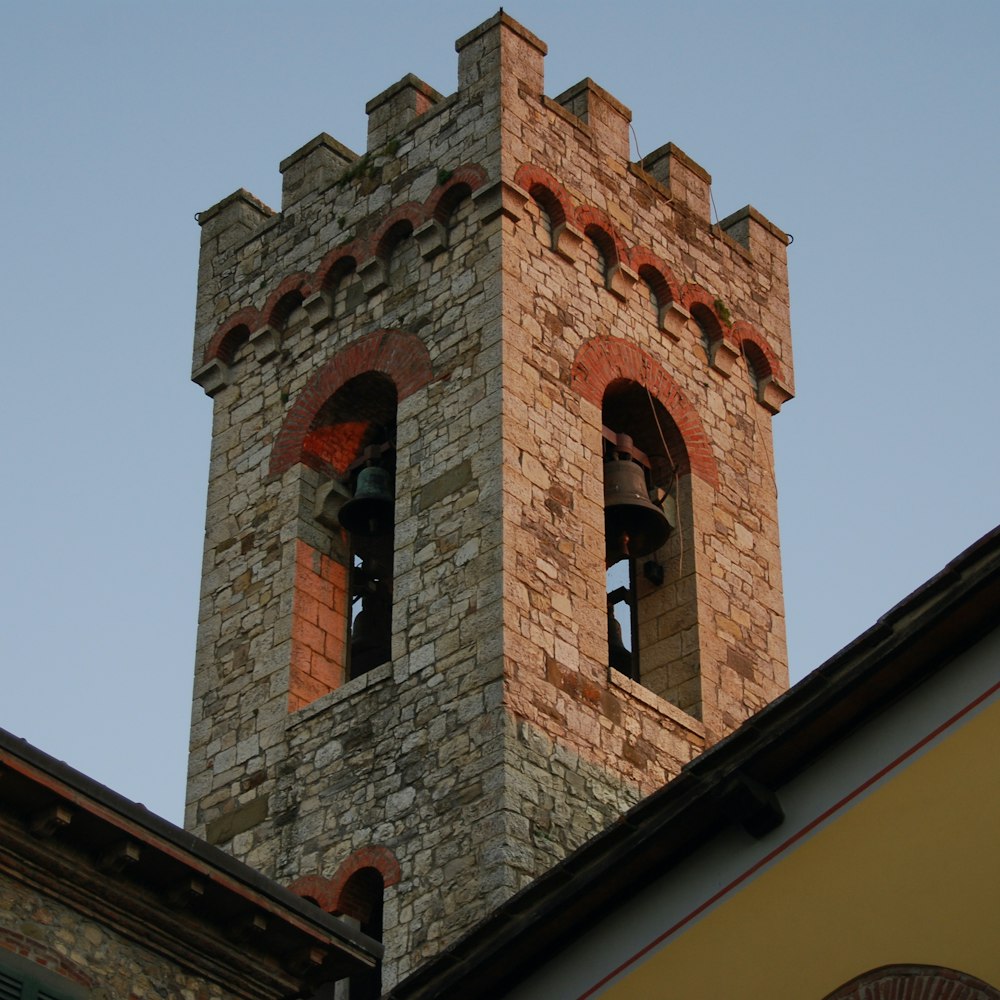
(399, 355)
(397, 227)
(283, 299)
(603, 360)
(753, 345)
(326, 892)
(655, 271)
(337, 264)
(230, 335)
(547, 192)
(42, 955)
(597, 227)
(443, 200)
(694, 297)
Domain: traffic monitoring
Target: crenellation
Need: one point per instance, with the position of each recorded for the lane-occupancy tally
(606, 118)
(396, 107)
(313, 169)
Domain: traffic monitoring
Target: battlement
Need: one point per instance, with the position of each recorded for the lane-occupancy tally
(411, 137)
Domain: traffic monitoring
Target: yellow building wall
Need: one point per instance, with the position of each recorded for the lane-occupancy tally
(908, 873)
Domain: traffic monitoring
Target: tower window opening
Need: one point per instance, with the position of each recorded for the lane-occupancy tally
(650, 555)
(361, 903)
(342, 606)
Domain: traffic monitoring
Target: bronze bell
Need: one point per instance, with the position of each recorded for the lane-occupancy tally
(633, 525)
(370, 512)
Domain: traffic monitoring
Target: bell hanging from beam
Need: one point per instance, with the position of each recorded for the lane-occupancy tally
(633, 525)
(371, 511)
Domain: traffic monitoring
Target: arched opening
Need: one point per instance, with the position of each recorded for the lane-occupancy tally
(652, 610)
(342, 612)
(709, 327)
(606, 254)
(758, 369)
(361, 903)
(287, 311)
(551, 214)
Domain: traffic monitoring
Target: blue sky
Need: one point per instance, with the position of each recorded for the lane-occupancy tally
(868, 130)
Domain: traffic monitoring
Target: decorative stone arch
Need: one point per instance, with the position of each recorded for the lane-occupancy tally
(756, 350)
(914, 982)
(326, 892)
(603, 360)
(231, 335)
(547, 192)
(656, 273)
(401, 356)
(335, 266)
(702, 306)
(445, 198)
(600, 230)
(285, 299)
(397, 227)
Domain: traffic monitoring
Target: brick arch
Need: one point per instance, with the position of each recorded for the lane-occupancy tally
(694, 297)
(336, 264)
(598, 227)
(443, 200)
(228, 337)
(652, 269)
(603, 360)
(914, 982)
(398, 226)
(316, 889)
(327, 893)
(44, 956)
(756, 349)
(399, 355)
(276, 310)
(547, 192)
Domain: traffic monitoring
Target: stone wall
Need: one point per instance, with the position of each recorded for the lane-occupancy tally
(95, 957)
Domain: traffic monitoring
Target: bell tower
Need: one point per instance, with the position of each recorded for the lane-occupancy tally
(491, 547)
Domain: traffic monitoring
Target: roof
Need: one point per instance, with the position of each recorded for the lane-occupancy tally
(90, 847)
(733, 782)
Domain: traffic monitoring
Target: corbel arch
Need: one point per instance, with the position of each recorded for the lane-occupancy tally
(231, 335)
(285, 299)
(445, 198)
(547, 192)
(756, 350)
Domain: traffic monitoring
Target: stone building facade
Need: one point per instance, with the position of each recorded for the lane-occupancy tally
(409, 723)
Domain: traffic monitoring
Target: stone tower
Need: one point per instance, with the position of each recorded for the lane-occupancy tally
(411, 719)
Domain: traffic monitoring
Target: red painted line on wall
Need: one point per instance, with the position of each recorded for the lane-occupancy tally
(784, 846)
